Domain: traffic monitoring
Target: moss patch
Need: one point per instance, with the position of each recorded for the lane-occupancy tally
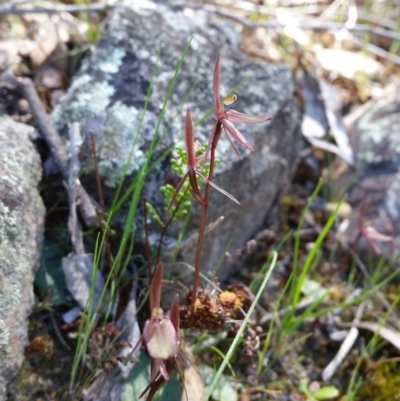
(382, 384)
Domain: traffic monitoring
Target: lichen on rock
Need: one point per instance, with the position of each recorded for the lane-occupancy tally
(21, 231)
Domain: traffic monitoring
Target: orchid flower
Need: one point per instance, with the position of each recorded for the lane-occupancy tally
(162, 368)
(160, 338)
(372, 236)
(161, 333)
(228, 117)
(192, 167)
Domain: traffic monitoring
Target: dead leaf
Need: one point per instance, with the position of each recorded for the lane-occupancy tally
(194, 384)
(46, 44)
(333, 108)
(314, 124)
(392, 336)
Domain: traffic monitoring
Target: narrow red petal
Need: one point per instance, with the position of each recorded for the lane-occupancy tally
(194, 185)
(236, 135)
(164, 371)
(177, 189)
(174, 316)
(237, 117)
(189, 140)
(155, 289)
(217, 187)
(375, 235)
(217, 103)
(155, 369)
(154, 386)
(197, 197)
(233, 145)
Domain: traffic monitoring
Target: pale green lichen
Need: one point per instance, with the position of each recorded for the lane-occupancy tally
(81, 81)
(117, 145)
(4, 340)
(93, 99)
(88, 94)
(21, 224)
(14, 261)
(370, 157)
(110, 61)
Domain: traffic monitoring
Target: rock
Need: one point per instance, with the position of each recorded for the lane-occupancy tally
(113, 82)
(376, 180)
(21, 230)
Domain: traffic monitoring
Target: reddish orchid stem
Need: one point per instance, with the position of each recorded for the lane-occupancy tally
(203, 222)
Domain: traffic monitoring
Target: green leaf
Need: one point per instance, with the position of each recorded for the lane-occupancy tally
(153, 213)
(326, 393)
(138, 379)
(313, 288)
(223, 390)
(172, 390)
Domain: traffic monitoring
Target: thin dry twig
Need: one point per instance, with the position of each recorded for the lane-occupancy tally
(387, 333)
(53, 140)
(308, 24)
(13, 8)
(374, 49)
(319, 25)
(57, 331)
(378, 20)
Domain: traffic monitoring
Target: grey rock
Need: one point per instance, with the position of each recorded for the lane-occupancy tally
(376, 179)
(113, 81)
(376, 134)
(21, 231)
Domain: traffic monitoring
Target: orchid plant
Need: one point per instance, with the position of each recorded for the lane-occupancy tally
(223, 119)
(161, 333)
